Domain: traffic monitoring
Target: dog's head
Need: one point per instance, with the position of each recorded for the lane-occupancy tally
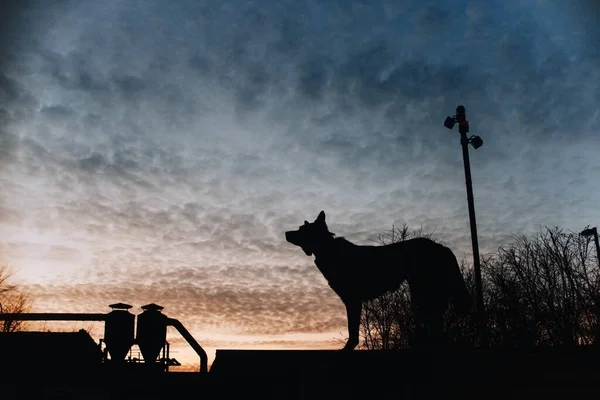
(310, 235)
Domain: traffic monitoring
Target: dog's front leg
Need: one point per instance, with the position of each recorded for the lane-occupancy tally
(353, 311)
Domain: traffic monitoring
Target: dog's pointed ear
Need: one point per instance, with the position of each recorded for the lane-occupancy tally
(321, 217)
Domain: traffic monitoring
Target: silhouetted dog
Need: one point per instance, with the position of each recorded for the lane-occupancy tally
(360, 273)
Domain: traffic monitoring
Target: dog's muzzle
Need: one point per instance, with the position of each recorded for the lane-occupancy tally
(290, 237)
(293, 238)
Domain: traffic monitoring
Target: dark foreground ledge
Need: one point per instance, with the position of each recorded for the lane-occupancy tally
(416, 373)
(313, 374)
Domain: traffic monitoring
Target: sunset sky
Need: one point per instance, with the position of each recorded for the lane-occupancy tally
(156, 152)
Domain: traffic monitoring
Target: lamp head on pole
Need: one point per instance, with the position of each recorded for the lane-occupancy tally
(460, 117)
(463, 126)
(589, 232)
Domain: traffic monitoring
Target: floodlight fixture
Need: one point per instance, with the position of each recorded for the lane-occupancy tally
(589, 232)
(476, 141)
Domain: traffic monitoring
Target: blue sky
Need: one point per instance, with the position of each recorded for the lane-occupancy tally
(155, 151)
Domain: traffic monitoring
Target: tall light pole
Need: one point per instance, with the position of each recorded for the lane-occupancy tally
(593, 232)
(476, 142)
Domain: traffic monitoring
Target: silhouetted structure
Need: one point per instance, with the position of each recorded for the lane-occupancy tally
(118, 331)
(361, 273)
(151, 332)
(72, 353)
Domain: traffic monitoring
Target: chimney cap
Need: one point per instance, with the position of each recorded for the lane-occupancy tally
(120, 306)
(152, 307)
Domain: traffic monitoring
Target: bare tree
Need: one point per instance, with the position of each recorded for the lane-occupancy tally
(542, 291)
(12, 300)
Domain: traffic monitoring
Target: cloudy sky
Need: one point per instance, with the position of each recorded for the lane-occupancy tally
(155, 151)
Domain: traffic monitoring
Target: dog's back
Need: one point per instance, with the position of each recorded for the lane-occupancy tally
(366, 272)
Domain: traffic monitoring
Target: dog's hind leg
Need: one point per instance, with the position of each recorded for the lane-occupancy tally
(353, 311)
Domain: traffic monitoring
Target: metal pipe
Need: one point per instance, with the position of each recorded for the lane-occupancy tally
(191, 341)
(53, 317)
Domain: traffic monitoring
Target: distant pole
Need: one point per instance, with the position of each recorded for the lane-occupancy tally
(594, 233)
(597, 246)
(463, 128)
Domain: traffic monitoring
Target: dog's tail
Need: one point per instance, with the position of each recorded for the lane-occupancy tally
(459, 294)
